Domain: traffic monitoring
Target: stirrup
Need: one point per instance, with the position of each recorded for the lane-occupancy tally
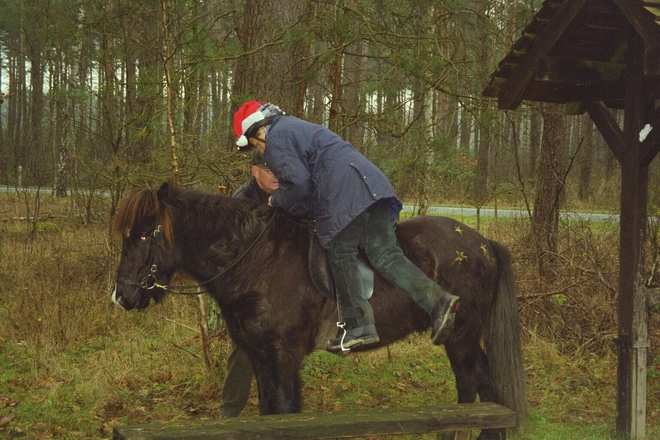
(342, 326)
(353, 338)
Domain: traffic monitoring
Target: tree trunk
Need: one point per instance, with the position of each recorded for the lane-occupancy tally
(427, 186)
(36, 153)
(535, 125)
(334, 79)
(270, 70)
(483, 149)
(466, 128)
(545, 218)
(149, 89)
(3, 154)
(484, 144)
(61, 137)
(586, 158)
(352, 125)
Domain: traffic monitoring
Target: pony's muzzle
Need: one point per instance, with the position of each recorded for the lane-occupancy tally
(126, 302)
(115, 298)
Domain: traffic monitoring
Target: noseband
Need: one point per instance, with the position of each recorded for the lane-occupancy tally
(150, 281)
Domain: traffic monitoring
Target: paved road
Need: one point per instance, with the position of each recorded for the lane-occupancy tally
(516, 213)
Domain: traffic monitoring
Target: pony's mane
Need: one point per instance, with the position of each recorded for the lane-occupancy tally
(192, 206)
(139, 204)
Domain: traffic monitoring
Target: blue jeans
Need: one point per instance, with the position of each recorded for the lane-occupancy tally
(372, 232)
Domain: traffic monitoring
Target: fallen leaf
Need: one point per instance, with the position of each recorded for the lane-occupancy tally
(60, 431)
(6, 420)
(40, 426)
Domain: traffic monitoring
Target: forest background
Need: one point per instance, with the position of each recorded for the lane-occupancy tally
(97, 97)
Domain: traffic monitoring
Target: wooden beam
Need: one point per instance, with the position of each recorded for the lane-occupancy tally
(608, 127)
(512, 91)
(642, 21)
(606, 92)
(610, 91)
(574, 71)
(340, 424)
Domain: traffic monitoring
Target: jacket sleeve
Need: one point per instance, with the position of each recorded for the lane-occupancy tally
(287, 149)
(294, 189)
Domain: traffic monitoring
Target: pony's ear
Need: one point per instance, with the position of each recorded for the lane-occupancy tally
(163, 192)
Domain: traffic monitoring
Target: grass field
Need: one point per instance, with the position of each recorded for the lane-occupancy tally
(73, 365)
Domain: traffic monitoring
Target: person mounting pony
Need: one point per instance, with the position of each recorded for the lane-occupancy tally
(236, 388)
(353, 206)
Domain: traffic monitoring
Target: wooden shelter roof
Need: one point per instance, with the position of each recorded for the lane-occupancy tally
(576, 51)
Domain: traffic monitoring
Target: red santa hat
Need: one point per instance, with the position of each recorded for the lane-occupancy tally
(250, 117)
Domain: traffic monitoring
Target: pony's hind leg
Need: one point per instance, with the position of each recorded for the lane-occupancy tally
(470, 365)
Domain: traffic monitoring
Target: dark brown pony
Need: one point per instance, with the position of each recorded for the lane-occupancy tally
(253, 261)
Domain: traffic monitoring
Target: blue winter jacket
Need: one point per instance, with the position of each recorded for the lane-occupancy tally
(322, 176)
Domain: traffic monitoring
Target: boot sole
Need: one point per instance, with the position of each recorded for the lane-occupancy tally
(353, 343)
(448, 326)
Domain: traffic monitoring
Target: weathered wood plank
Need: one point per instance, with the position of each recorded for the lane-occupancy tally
(342, 424)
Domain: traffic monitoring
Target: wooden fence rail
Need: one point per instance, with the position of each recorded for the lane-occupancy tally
(451, 421)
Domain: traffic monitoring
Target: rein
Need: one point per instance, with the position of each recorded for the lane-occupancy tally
(184, 289)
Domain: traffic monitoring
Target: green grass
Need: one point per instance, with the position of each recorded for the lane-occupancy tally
(150, 370)
(83, 393)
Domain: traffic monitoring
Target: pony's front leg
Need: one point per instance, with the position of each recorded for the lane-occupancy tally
(278, 384)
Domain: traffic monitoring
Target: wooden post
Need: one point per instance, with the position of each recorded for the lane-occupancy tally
(634, 155)
(633, 301)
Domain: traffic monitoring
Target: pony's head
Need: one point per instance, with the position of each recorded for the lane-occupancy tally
(147, 260)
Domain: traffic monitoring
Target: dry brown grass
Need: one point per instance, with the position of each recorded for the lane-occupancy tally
(73, 365)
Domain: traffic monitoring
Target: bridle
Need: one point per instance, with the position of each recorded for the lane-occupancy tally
(149, 281)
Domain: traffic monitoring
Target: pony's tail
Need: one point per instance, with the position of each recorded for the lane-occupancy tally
(502, 339)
